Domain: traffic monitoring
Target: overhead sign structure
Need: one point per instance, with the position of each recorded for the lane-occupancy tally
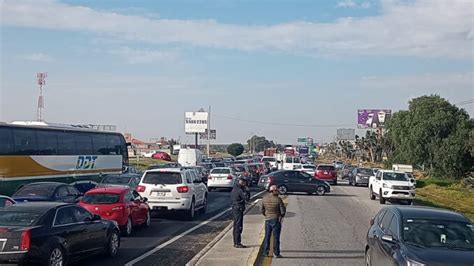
(195, 122)
(373, 118)
(345, 134)
(301, 140)
(204, 135)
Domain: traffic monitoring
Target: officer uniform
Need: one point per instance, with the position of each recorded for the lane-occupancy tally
(238, 196)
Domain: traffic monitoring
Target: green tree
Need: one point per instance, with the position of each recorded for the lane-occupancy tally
(259, 143)
(432, 133)
(235, 149)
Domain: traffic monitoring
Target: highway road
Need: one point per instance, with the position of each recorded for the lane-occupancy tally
(165, 228)
(328, 230)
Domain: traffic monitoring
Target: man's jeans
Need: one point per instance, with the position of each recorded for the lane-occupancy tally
(274, 226)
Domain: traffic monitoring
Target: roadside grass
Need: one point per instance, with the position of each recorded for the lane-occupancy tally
(446, 194)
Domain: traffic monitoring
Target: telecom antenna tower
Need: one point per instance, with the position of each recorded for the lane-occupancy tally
(41, 80)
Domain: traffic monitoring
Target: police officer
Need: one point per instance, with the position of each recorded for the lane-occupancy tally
(240, 194)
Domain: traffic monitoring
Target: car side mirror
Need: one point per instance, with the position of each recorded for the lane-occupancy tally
(388, 239)
(96, 217)
(145, 199)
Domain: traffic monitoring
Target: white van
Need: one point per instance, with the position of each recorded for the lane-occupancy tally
(292, 163)
(189, 157)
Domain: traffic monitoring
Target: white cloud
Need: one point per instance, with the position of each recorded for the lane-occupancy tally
(353, 4)
(423, 28)
(134, 56)
(38, 57)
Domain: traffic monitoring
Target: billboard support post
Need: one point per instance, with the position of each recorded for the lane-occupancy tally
(209, 134)
(196, 141)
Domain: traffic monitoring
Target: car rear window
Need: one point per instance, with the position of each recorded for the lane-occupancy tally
(326, 168)
(101, 198)
(18, 218)
(35, 190)
(220, 171)
(365, 171)
(219, 164)
(165, 178)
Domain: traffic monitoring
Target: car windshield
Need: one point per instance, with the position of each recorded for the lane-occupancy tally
(365, 171)
(220, 171)
(439, 233)
(165, 178)
(18, 218)
(269, 159)
(116, 180)
(395, 176)
(326, 168)
(101, 198)
(35, 191)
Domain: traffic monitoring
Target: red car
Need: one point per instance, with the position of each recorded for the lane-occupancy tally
(326, 173)
(161, 156)
(121, 204)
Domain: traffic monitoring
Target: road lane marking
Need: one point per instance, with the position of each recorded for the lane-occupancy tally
(174, 239)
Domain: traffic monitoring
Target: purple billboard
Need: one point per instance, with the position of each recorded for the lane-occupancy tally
(372, 118)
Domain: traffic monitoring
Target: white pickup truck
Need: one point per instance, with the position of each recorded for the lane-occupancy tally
(389, 185)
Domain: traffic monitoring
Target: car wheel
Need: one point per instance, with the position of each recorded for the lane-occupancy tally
(320, 191)
(409, 202)
(335, 182)
(148, 219)
(57, 257)
(381, 198)
(203, 210)
(191, 212)
(127, 230)
(371, 194)
(283, 190)
(368, 258)
(113, 245)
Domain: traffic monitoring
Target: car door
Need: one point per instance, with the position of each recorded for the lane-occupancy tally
(73, 194)
(293, 181)
(389, 248)
(95, 230)
(377, 182)
(65, 226)
(379, 254)
(200, 187)
(62, 195)
(304, 184)
(142, 207)
(134, 207)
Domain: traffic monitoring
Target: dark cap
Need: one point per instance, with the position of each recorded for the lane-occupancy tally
(243, 179)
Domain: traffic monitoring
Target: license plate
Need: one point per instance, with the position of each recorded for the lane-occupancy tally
(160, 194)
(325, 173)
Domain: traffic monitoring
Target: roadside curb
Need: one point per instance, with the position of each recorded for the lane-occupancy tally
(207, 248)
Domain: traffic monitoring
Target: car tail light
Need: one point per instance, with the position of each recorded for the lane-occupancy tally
(270, 179)
(246, 173)
(209, 177)
(118, 208)
(141, 188)
(183, 189)
(333, 174)
(229, 177)
(371, 222)
(25, 240)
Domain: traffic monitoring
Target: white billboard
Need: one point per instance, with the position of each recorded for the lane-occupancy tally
(195, 122)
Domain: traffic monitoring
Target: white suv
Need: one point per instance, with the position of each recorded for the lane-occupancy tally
(391, 185)
(222, 177)
(174, 189)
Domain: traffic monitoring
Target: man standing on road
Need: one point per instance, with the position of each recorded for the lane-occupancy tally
(240, 194)
(274, 210)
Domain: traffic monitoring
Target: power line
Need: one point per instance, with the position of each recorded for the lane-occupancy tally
(465, 102)
(277, 124)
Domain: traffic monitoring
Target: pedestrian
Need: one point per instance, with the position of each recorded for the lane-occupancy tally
(240, 194)
(274, 210)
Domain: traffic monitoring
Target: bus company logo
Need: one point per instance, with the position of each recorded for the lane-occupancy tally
(86, 162)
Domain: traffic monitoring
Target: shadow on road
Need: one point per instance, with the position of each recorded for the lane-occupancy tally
(342, 254)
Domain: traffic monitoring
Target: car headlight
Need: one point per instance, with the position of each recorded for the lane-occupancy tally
(386, 186)
(414, 263)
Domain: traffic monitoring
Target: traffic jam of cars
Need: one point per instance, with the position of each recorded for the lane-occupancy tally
(55, 223)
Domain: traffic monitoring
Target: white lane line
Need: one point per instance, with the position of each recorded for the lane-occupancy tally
(172, 240)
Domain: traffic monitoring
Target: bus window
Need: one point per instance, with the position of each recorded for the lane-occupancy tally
(99, 142)
(6, 141)
(114, 145)
(47, 142)
(83, 143)
(24, 141)
(66, 143)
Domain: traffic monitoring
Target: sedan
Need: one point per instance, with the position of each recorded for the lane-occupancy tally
(161, 156)
(47, 191)
(223, 177)
(419, 236)
(121, 204)
(53, 233)
(6, 201)
(294, 181)
(129, 180)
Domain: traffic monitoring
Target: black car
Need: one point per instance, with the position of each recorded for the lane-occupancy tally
(360, 176)
(47, 191)
(419, 236)
(129, 180)
(6, 201)
(294, 181)
(53, 233)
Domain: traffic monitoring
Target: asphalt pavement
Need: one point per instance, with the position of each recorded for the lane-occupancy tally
(164, 228)
(327, 230)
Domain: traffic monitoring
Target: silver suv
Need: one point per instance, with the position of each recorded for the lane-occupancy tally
(174, 189)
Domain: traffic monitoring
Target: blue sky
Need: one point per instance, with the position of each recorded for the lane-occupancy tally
(142, 64)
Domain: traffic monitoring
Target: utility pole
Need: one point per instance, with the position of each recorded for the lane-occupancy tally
(40, 78)
(209, 133)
